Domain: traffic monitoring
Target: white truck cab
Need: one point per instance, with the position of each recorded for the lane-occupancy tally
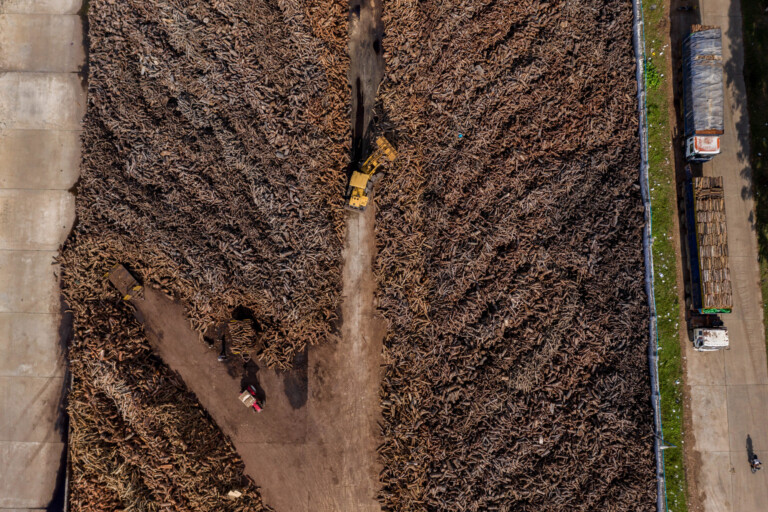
(709, 339)
(699, 148)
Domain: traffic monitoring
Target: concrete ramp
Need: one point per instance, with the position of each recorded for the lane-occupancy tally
(42, 101)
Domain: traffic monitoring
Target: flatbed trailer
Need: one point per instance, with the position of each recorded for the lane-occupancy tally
(707, 245)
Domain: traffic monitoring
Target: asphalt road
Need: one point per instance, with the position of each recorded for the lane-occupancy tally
(728, 390)
(42, 101)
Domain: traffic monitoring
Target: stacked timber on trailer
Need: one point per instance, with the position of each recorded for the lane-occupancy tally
(708, 245)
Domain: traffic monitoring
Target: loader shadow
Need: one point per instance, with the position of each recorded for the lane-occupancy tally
(296, 382)
(251, 378)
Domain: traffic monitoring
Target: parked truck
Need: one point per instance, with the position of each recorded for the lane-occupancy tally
(703, 92)
(706, 245)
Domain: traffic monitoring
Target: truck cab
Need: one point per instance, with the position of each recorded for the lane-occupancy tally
(710, 339)
(700, 148)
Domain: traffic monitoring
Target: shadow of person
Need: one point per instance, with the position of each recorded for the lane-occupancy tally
(750, 450)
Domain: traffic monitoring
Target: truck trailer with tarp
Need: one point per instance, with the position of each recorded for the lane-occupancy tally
(707, 245)
(703, 92)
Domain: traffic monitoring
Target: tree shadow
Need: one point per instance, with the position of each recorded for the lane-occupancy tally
(752, 134)
(680, 22)
(57, 502)
(736, 78)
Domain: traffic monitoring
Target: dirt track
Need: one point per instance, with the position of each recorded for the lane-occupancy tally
(313, 447)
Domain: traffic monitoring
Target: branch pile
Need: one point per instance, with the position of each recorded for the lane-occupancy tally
(214, 146)
(138, 440)
(215, 140)
(510, 260)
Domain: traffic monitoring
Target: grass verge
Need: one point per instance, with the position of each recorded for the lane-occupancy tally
(756, 80)
(664, 207)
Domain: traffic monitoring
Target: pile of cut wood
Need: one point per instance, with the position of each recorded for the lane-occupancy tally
(215, 141)
(510, 260)
(214, 146)
(138, 439)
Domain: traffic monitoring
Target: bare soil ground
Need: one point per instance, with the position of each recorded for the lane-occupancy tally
(313, 447)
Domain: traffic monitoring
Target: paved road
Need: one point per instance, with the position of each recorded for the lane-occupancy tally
(728, 390)
(41, 104)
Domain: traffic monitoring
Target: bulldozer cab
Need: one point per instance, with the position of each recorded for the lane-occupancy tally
(361, 182)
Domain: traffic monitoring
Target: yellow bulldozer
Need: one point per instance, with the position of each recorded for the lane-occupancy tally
(361, 182)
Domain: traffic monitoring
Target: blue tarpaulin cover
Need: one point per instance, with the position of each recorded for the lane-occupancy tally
(703, 82)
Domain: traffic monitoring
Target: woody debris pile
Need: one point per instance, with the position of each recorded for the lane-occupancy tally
(508, 230)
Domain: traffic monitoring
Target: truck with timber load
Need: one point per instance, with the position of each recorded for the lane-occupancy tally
(702, 93)
(706, 248)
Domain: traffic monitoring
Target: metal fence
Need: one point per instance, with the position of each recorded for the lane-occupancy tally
(653, 359)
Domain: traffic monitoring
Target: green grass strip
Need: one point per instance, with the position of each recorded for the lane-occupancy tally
(664, 209)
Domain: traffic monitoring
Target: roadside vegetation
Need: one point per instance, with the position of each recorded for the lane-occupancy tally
(756, 79)
(662, 188)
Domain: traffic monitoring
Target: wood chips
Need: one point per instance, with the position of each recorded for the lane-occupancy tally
(510, 260)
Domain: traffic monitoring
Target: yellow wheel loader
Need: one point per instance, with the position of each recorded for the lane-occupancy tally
(361, 182)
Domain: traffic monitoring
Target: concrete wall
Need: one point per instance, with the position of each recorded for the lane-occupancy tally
(42, 102)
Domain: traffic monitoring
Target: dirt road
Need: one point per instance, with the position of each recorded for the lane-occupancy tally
(313, 448)
(728, 391)
(366, 68)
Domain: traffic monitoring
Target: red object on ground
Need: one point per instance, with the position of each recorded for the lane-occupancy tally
(248, 397)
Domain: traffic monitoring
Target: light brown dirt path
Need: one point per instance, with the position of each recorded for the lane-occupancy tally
(362, 338)
(313, 448)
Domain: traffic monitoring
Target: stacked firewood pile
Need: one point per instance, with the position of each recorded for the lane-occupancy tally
(510, 260)
(214, 146)
(241, 337)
